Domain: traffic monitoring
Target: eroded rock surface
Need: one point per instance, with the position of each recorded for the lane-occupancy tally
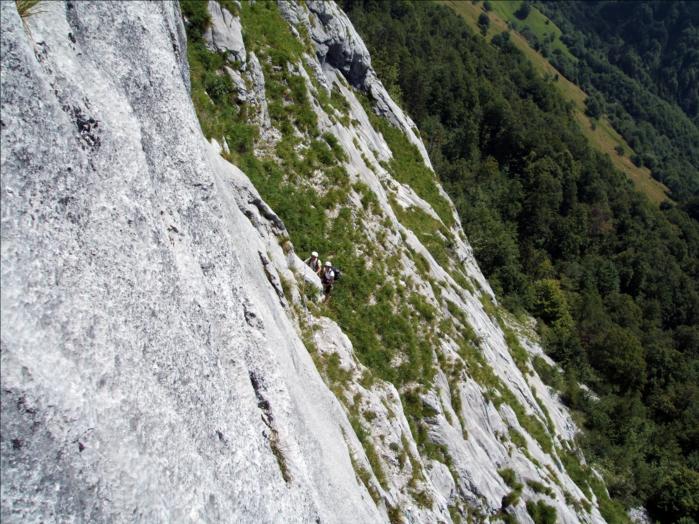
(153, 366)
(149, 369)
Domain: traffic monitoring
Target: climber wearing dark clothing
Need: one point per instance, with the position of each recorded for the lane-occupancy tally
(327, 278)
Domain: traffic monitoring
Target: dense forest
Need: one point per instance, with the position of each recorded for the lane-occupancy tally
(612, 280)
(639, 61)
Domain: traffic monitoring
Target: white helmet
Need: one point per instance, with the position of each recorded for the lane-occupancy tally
(314, 254)
(328, 264)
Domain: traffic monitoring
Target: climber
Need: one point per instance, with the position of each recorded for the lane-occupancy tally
(314, 263)
(327, 277)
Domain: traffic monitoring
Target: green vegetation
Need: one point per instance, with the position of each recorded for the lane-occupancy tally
(431, 233)
(518, 439)
(369, 449)
(212, 91)
(483, 23)
(26, 8)
(553, 225)
(541, 513)
(500, 394)
(558, 231)
(408, 167)
(542, 34)
(392, 327)
(510, 478)
(364, 477)
(512, 498)
(599, 132)
(639, 64)
(539, 487)
(268, 33)
(548, 374)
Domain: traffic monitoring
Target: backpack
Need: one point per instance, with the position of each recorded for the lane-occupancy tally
(338, 273)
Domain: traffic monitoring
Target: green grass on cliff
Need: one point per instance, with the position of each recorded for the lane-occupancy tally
(303, 180)
(393, 328)
(26, 8)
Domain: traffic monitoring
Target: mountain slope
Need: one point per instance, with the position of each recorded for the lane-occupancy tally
(640, 64)
(164, 351)
(599, 132)
(560, 233)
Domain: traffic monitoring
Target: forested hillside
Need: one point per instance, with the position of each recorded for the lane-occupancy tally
(640, 63)
(612, 280)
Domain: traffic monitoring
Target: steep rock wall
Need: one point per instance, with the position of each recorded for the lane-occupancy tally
(149, 370)
(153, 308)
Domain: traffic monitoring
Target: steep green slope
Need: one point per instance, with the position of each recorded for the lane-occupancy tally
(560, 233)
(654, 42)
(639, 61)
(436, 380)
(602, 136)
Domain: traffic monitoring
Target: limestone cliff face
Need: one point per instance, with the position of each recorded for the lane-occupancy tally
(164, 356)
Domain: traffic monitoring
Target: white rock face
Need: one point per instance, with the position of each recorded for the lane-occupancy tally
(149, 368)
(339, 47)
(152, 358)
(225, 32)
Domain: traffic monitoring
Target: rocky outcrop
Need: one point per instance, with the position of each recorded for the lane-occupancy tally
(339, 46)
(224, 34)
(163, 356)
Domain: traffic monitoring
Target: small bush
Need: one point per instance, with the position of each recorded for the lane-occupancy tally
(518, 439)
(541, 513)
(510, 478)
(511, 499)
(523, 12)
(483, 23)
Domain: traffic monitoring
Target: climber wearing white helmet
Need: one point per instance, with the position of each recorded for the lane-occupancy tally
(327, 277)
(314, 262)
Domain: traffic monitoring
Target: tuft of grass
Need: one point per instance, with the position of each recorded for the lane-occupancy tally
(27, 8)
(577, 471)
(540, 487)
(541, 513)
(518, 439)
(364, 477)
(519, 354)
(455, 514)
(510, 478)
(395, 516)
